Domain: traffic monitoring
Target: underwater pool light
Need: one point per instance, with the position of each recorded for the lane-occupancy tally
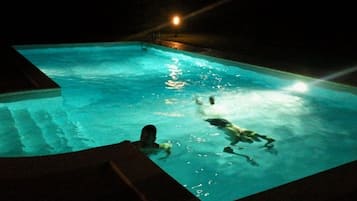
(299, 87)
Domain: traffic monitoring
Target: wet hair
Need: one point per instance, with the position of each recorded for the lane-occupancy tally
(211, 100)
(148, 130)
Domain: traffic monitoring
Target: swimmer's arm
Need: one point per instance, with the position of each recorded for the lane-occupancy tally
(167, 148)
(198, 101)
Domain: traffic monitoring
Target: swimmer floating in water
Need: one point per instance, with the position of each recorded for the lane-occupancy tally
(210, 110)
(237, 134)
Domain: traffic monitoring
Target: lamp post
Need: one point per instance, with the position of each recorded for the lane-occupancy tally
(176, 21)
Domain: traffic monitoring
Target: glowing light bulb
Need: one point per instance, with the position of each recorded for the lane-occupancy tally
(176, 20)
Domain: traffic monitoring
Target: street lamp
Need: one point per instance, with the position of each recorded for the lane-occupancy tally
(176, 21)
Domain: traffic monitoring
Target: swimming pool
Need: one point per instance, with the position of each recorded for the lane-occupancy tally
(109, 91)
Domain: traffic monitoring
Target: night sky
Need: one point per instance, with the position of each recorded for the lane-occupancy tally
(77, 21)
(51, 21)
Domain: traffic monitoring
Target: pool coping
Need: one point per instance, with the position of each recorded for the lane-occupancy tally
(29, 94)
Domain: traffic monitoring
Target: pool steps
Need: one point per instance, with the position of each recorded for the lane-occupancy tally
(39, 132)
(10, 141)
(30, 134)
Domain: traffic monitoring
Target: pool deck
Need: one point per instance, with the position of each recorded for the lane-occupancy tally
(336, 184)
(18, 75)
(112, 172)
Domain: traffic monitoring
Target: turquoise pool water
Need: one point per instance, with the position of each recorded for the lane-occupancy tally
(110, 91)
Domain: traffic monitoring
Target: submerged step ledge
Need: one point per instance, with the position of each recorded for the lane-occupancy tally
(112, 172)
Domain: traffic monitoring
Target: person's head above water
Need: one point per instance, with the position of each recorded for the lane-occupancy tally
(211, 100)
(148, 134)
(147, 143)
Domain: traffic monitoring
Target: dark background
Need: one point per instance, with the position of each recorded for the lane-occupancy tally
(294, 22)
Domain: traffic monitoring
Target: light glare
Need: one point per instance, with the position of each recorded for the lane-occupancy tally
(176, 20)
(299, 87)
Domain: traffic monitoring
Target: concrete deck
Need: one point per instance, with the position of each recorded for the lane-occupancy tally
(113, 172)
(336, 184)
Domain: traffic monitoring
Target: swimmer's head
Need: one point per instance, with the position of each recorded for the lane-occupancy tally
(219, 122)
(211, 100)
(148, 134)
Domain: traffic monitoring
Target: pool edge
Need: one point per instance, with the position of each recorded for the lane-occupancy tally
(221, 57)
(30, 94)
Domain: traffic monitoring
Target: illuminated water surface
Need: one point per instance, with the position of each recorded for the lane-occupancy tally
(110, 91)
